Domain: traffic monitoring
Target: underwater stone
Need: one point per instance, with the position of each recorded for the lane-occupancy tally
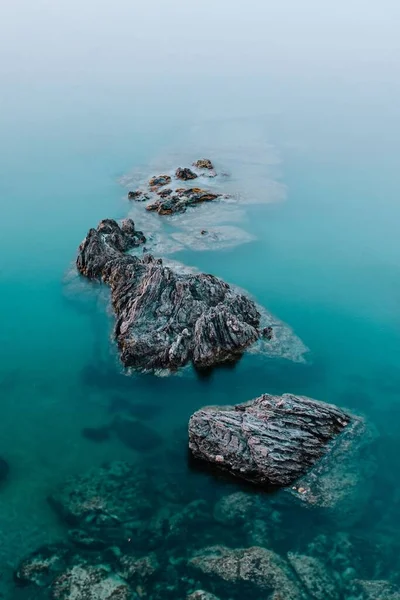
(201, 595)
(233, 508)
(105, 502)
(259, 566)
(271, 440)
(315, 576)
(378, 590)
(90, 582)
(166, 319)
(40, 567)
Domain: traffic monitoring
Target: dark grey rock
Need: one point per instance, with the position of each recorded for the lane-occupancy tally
(166, 319)
(271, 440)
(316, 577)
(97, 434)
(185, 174)
(106, 244)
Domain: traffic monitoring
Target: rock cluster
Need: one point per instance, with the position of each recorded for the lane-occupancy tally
(166, 319)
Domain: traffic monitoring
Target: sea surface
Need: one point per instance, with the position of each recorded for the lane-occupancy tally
(317, 166)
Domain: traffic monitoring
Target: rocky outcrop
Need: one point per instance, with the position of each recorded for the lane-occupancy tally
(105, 245)
(166, 319)
(185, 174)
(271, 440)
(179, 200)
(90, 582)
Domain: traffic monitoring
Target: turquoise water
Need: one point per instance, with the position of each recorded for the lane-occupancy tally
(325, 259)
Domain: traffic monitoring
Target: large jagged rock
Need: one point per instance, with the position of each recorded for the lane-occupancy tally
(258, 566)
(271, 440)
(166, 319)
(106, 244)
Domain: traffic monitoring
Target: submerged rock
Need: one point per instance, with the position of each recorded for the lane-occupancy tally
(104, 502)
(271, 440)
(378, 590)
(185, 174)
(201, 595)
(158, 181)
(166, 319)
(90, 582)
(40, 567)
(317, 579)
(178, 201)
(204, 163)
(258, 566)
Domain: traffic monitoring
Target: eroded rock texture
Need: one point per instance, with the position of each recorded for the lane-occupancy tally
(271, 440)
(166, 319)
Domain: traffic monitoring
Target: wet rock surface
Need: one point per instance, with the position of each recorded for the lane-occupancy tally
(179, 200)
(271, 440)
(166, 319)
(105, 244)
(185, 174)
(204, 163)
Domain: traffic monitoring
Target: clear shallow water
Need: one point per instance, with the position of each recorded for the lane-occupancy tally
(325, 260)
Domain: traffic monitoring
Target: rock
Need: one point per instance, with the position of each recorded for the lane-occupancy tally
(204, 163)
(158, 181)
(137, 570)
(138, 195)
(271, 440)
(105, 503)
(81, 539)
(185, 174)
(179, 200)
(97, 434)
(106, 244)
(4, 469)
(165, 193)
(378, 590)
(317, 579)
(166, 319)
(136, 435)
(201, 595)
(90, 582)
(268, 333)
(258, 566)
(40, 567)
(234, 508)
